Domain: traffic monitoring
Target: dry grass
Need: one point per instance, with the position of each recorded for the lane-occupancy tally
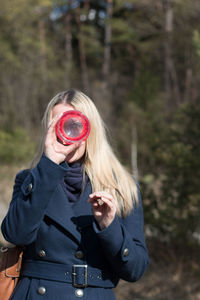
(173, 274)
(159, 284)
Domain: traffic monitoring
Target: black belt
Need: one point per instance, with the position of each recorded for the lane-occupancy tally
(77, 275)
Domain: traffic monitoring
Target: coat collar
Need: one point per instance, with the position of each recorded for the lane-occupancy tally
(72, 217)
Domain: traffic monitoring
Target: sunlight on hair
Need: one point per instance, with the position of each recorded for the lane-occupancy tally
(101, 165)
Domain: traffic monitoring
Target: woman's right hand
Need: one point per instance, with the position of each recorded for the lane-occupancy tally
(53, 149)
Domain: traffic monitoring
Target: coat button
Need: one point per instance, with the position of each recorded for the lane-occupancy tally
(125, 252)
(79, 293)
(79, 254)
(30, 187)
(42, 253)
(41, 290)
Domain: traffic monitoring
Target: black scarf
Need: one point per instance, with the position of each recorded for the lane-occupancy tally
(73, 181)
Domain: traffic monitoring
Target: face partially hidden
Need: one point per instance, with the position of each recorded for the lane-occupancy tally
(79, 152)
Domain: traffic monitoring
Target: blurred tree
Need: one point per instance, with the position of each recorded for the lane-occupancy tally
(15, 147)
(22, 69)
(148, 54)
(174, 196)
(107, 49)
(82, 51)
(170, 74)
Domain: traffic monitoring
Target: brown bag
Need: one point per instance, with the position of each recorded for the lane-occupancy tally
(10, 265)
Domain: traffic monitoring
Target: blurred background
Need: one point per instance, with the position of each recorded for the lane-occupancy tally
(139, 60)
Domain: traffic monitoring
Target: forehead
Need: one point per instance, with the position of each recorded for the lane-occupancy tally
(60, 108)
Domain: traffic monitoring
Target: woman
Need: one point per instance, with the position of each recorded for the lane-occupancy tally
(78, 212)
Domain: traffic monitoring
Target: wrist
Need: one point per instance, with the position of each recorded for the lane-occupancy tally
(52, 158)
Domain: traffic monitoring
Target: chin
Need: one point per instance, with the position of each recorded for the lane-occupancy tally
(75, 156)
(71, 160)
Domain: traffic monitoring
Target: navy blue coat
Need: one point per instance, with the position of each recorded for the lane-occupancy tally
(59, 235)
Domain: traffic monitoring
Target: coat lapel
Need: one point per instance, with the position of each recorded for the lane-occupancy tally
(71, 218)
(83, 215)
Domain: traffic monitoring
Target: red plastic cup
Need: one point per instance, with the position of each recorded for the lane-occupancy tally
(72, 127)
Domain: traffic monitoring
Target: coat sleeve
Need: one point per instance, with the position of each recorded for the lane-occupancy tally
(32, 192)
(124, 244)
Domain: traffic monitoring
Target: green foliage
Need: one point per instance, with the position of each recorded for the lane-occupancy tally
(34, 66)
(122, 32)
(173, 206)
(196, 41)
(145, 88)
(15, 146)
(94, 49)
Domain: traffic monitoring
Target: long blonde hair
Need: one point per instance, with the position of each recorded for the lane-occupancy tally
(101, 165)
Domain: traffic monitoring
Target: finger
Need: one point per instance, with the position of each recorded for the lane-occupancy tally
(51, 134)
(70, 148)
(101, 194)
(101, 201)
(96, 202)
(98, 213)
(65, 149)
(107, 202)
(51, 127)
(50, 123)
(54, 120)
(91, 200)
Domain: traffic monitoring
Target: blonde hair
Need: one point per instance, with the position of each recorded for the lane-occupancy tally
(100, 163)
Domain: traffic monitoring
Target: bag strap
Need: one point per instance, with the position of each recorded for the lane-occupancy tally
(11, 260)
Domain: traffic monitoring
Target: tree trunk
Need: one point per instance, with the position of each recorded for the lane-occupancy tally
(188, 84)
(68, 38)
(134, 153)
(84, 69)
(68, 47)
(107, 47)
(42, 47)
(170, 75)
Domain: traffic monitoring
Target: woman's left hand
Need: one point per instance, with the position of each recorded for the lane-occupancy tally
(104, 208)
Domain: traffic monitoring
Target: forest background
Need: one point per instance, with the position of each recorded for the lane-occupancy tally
(139, 60)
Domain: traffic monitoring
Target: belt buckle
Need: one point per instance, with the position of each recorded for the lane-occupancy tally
(84, 275)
